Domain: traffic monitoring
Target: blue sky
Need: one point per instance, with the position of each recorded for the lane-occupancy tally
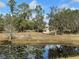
(46, 4)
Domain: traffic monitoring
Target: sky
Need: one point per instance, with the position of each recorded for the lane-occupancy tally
(46, 4)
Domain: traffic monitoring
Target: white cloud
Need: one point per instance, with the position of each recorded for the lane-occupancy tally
(75, 0)
(33, 15)
(2, 5)
(33, 4)
(67, 6)
(64, 6)
(73, 8)
(45, 19)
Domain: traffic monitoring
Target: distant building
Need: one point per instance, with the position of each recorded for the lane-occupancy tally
(46, 30)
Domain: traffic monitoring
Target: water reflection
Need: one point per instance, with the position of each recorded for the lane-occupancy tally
(47, 48)
(2, 56)
(46, 52)
(37, 52)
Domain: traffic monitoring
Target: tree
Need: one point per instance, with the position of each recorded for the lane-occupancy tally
(22, 21)
(24, 11)
(1, 23)
(53, 19)
(39, 20)
(11, 4)
(64, 21)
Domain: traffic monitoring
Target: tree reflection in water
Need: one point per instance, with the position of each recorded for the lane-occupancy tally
(37, 52)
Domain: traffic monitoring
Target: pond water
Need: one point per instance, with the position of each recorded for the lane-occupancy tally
(37, 52)
(47, 47)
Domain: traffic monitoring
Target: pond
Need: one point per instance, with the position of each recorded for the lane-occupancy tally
(37, 51)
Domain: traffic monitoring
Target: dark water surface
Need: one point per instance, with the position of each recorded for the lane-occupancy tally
(37, 51)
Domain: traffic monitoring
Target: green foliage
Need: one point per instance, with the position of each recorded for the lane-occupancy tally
(65, 20)
(39, 20)
(24, 11)
(11, 4)
(21, 19)
(1, 23)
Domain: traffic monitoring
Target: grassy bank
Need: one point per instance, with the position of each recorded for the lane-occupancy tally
(77, 57)
(40, 38)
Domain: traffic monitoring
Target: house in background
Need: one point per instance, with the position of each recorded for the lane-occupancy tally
(46, 30)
